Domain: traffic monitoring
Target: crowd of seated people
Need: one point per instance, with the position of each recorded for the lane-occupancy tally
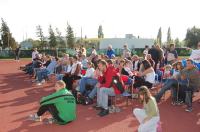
(92, 77)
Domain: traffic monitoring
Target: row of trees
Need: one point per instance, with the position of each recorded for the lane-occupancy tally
(7, 40)
(56, 39)
(169, 39)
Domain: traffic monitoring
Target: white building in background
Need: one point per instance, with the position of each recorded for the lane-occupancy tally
(131, 41)
(26, 45)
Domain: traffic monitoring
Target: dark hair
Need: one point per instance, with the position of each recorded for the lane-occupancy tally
(109, 61)
(75, 57)
(146, 93)
(179, 63)
(190, 60)
(146, 64)
(146, 46)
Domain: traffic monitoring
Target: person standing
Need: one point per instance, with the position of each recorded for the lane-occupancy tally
(172, 55)
(17, 53)
(155, 55)
(126, 52)
(34, 53)
(148, 117)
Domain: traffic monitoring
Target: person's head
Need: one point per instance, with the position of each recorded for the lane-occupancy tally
(144, 94)
(75, 59)
(125, 46)
(127, 63)
(109, 47)
(109, 62)
(158, 46)
(60, 85)
(179, 66)
(198, 45)
(172, 46)
(102, 65)
(35, 49)
(48, 57)
(146, 64)
(168, 67)
(189, 64)
(146, 46)
(174, 65)
(83, 57)
(66, 55)
(70, 62)
(121, 63)
(148, 57)
(135, 57)
(90, 65)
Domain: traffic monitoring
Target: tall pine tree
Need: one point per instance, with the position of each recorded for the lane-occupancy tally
(7, 40)
(52, 38)
(40, 35)
(100, 32)
(61, 42)
(159, 37)
(70, 36)
(169, 39)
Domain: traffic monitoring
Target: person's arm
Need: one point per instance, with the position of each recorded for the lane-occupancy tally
(149, 70)
(176, 54)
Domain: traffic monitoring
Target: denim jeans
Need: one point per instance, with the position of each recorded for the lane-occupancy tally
(42, 74)
(170, 83)
(59, 76)
(188, 91)
(93, 93)
(175, 90)
(86, 81)
(102, 96)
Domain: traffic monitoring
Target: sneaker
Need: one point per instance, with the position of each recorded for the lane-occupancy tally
(33, 81)
(88, 101)
(38, 84)
(126, 94)
(174, 103)
(103, 112)
(180, 102)
(49, 121)
(134, 96)
(188, 109)
(111, 109)
(35, 117)
(117, 109)
(43, 81)
(97, 107)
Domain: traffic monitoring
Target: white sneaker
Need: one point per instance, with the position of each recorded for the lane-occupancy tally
(43, 81)
(34, 117)
(38, 84)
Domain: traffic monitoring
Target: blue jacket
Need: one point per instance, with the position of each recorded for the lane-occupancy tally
(110, 53)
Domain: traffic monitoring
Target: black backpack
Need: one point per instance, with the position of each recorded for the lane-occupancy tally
(117, 83)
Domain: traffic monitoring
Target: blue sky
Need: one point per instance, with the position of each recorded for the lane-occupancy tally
(118, 17)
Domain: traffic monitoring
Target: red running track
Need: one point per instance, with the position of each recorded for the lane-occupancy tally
(19, 98)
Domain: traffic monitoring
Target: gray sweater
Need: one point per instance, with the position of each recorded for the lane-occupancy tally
(193, 76)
